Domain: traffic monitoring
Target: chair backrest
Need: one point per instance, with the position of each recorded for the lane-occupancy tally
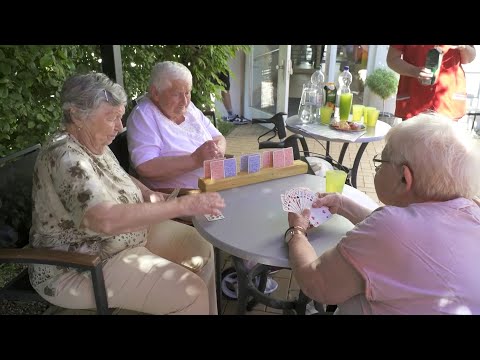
(284, 141)
(119, 147)
(16, 175)
(211, 114)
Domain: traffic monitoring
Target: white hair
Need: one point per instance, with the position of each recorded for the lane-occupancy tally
(86, 92)
(444, 161)
(164, 72)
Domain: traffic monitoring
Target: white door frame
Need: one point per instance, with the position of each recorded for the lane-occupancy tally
(284, 69)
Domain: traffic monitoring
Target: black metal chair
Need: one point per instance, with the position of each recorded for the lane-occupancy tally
(211, 114)
(119, 147)
(16, 174)
(284, 142)
(474, 113)
(293, 141)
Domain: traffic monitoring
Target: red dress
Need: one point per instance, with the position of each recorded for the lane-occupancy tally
(447, 96)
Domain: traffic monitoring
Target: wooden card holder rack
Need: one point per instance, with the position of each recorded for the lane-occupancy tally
(243, 178)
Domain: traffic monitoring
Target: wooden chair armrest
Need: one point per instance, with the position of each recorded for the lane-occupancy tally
(182, 191)
(49, 257)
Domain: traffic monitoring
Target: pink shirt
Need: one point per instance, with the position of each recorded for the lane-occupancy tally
(151, 134)
(422, 259)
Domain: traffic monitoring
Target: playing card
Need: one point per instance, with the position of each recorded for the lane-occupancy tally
(230, 167)
(253, 163)
(214, 217)
(206, 169)
(244, 162)
(278, 158)
(267, 159)
(319, 215)
(217, 169)
(298, 199)
(288, 152)
(173, 194)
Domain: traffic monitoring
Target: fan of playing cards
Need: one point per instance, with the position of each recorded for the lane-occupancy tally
(298, 199)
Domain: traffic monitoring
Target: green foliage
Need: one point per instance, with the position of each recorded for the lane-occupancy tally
(382, 82)
(31, 78)
(204, 62)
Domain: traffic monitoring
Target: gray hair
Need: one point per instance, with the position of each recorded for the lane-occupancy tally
(164, 72)
(443, 160)
(85, 93)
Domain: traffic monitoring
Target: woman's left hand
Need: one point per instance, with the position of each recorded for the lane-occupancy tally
(301, 220)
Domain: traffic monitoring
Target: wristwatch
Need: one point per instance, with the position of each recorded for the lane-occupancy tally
(297, 230)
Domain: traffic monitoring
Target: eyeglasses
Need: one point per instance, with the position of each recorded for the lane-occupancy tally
(376, 160)
(106, 95)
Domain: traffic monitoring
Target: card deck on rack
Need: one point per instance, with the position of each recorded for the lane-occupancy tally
(254, 163)
(288, 152)
(267, 159)
(244, 162)
(278, 158)
(206, 169)
(217, 169)
(230, 167)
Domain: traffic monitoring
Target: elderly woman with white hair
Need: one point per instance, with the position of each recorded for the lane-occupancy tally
(169, 138)
(419, 253)
(83, 201)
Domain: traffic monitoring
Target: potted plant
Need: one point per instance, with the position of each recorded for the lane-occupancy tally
(383, 83)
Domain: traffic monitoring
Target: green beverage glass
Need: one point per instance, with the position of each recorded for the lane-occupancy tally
(335, 180)
(345, 105)
(357, 112)
(325, 115)
(372, 117)
(365, 114)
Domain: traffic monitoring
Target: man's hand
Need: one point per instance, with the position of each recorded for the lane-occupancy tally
(424, 76)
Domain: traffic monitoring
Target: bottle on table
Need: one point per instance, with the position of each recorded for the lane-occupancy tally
(345, 95)
(318, 81)
(330, 96)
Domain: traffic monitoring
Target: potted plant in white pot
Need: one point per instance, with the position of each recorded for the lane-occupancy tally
(383, 83)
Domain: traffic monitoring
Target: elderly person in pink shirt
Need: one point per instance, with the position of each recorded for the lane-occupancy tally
(419, 253)
(169, 138)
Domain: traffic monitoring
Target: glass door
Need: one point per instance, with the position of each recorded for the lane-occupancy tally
(267, 73)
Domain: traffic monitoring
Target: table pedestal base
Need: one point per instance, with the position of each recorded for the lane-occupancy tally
(249, 294)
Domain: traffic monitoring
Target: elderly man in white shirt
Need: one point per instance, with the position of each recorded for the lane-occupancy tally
(169, 138)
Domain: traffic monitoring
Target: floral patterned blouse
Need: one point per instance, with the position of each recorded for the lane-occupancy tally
(67, 181)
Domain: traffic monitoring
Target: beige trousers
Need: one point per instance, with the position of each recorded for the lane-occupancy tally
(173, 274)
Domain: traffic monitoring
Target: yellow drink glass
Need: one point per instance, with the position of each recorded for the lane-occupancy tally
(357, 112)
(372, 117)
(365, 114)
(325, 115)
(335, 180)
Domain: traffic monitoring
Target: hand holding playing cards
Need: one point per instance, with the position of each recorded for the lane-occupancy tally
(302, 220)
(200, 204)
(207, 151)
(333, 201)
(296, 200)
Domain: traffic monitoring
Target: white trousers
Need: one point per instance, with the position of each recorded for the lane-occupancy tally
(173, 274)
